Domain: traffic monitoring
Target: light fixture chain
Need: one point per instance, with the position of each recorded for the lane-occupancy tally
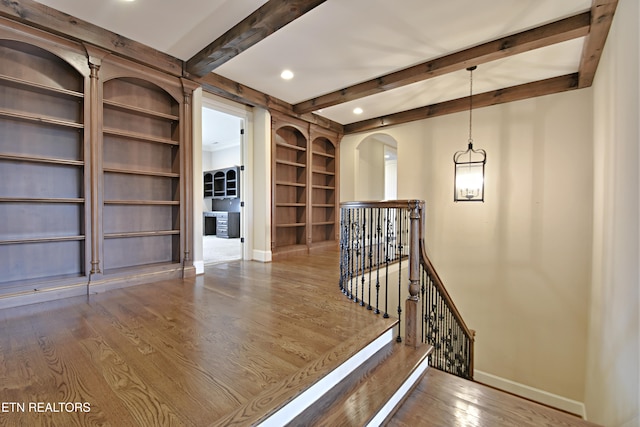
(470, 102)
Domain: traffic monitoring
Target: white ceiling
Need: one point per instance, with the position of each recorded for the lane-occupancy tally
(343, 42)
(219, 130)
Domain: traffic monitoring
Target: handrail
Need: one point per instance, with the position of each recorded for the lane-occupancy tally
(382, 204)
(426, 262)
(378, 235)
(458, 360)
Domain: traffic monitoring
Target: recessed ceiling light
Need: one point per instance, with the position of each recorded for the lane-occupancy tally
(287, 74)
(357, 110)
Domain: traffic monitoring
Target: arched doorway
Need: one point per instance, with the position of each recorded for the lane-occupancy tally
(377, 171)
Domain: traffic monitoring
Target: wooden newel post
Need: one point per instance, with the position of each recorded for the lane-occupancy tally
(412, 304)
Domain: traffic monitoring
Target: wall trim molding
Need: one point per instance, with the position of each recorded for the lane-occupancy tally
(531, 393)
(262, 256)
(199, 265)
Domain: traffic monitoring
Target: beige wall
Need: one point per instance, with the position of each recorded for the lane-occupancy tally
(198, 185)
(518, 266)
(613, 380)
(370, 167)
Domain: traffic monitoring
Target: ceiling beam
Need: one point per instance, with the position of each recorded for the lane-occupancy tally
(500, 96)
(555, 32)
(602, 12)
(266, 20)
(45, 18)
(229, 89)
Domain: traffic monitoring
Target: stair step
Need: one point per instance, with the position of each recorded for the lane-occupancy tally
(370, 394)
(283, 401)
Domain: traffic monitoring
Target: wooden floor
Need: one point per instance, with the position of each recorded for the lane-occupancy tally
(441, 399)
(180, 352)
(220, 349)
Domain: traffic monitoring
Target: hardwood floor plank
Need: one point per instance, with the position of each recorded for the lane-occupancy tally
(443, 399)
(141, 399)
(155, 367)
(50, 369)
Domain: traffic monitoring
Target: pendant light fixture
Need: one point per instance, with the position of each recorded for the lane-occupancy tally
(469, 164)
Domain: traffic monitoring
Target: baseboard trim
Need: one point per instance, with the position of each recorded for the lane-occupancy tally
(199, 265)
(89, 285)
(531, 393)
(262, 256)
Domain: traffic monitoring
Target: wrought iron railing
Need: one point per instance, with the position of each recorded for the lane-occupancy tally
(383, 262)
(372, 240)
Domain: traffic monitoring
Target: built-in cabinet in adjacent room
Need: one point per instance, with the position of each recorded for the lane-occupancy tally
(222, 214)
(222, 183)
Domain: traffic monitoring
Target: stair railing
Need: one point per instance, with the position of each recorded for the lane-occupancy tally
(379, 243)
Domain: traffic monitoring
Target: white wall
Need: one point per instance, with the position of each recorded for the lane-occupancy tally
(518, 265)
(225, 158)
(613, 379)
(262, 186)
(207, 158)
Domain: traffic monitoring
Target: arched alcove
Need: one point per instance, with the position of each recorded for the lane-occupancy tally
(376, 168)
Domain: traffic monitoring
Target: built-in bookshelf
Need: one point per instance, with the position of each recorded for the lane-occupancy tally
(304, 201)
(141, 173)
(42, 168)
(93, 176)
(291, 188)
(324, 222)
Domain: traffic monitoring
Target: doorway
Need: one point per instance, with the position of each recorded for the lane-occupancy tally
(377, 168)
(222, 160)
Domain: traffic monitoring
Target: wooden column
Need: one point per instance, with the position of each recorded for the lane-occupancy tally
(186, 152)
(412, 337)
(95, 57)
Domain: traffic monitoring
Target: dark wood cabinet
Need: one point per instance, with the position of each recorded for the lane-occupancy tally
(222, 224)
(222, 183)
(208, 185)
(228, 226)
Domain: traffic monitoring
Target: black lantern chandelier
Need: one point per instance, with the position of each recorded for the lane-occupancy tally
(469, 164)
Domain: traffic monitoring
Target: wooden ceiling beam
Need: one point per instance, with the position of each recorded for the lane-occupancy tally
(266, 20)
(602, 12)
(555, 32)
(500, 96)
(234, 91)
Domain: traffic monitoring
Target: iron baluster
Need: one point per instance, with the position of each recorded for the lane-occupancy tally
(378, 239)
